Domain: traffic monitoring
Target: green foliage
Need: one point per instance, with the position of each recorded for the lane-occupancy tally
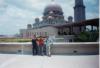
(87, 36)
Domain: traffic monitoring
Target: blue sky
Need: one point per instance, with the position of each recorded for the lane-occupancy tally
(16, 14)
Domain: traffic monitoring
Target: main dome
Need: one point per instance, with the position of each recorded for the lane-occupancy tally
(53, 7)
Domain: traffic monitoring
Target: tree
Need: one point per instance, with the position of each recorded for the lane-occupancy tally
(87, 36)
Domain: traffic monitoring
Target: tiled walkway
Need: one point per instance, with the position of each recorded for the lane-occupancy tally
(28, 61)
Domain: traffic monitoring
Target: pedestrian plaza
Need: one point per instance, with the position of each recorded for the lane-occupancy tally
(55, 61)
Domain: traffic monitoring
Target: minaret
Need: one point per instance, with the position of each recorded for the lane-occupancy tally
(79, 11)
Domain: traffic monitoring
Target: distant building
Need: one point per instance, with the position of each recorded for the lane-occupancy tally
(3, 36)
(54, 24)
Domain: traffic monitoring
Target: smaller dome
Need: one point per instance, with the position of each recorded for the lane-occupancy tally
(70, 19)
(29, 26)
(37, 20)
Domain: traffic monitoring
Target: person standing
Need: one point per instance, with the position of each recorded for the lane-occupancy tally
(41, 45)
(34, 46)
(48, 42)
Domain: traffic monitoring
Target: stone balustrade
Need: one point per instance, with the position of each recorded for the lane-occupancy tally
(16, 48)
(54, 48)
(87, 48)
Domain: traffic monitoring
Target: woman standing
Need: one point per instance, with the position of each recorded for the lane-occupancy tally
(41, 45)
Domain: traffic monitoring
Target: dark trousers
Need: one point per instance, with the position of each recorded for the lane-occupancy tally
(35, 50)
(44, 49)
(41, 50)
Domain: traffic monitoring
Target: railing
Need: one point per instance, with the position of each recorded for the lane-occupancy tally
(16, 48)
(55, 48)
(87, 48)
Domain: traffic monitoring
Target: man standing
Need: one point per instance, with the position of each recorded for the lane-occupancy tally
(34, 46)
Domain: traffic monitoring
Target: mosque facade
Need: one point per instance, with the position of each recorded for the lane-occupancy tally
(53, 21)
(54, 24)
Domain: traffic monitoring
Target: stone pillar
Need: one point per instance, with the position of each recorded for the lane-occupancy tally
(91, 27)
(70, 30)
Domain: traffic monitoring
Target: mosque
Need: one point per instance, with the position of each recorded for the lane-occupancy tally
(54, 24)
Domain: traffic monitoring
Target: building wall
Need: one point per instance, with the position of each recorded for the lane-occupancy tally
(63, 30)
(45, 31)
(76, 30)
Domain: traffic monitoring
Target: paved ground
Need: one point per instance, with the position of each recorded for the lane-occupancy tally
(28, 61)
